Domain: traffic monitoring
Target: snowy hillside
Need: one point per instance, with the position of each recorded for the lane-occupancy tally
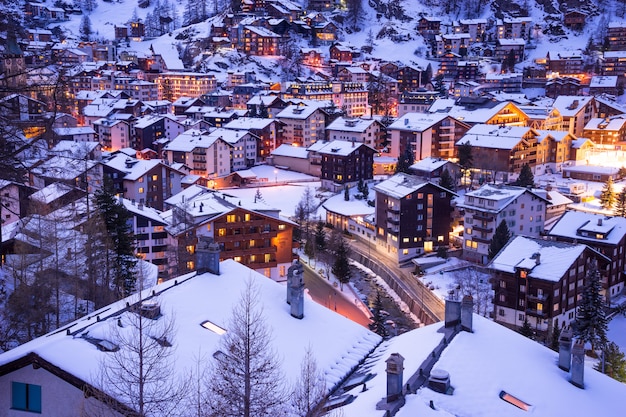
(389, 26)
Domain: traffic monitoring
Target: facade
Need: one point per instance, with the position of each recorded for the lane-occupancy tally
(303, 125)
(269, 132)
(606, 132)
(576, 111)
(523, 211)
(616, 34)
(412, 217)
(112, 134)
(149, 130)
(607, 235)
(426, 135)
(174, 85)
(350, 97)
(345, 163)
(565, 62)
(368, 131)
(540, 281)
(207, 156)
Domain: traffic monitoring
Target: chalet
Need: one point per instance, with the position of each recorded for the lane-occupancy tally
(425, 135)
(476, 29)
(284, 9)
(412, 217)
(563, 86)
(430, 169)
(481, 110)
(514, 28)
(576, 111)
(352, 74)
(349, 97)
(455, 42)
(429, 27)
(174, 85)
(312, 57)
(343, 53)
(574, 19)
(540, 281)
(265, 105)
(326, 32)
(409, 78)
(565, 62)
(608, 107)
(606, 235)
(553, 150)
(269, 131)
(260, 41)
(506, 48)
(501, 150)
(345, 163)
(604, 84)
(523, 210)
(606, 132)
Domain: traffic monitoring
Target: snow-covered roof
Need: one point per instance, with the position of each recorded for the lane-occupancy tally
(51, 192)
(429, 164)
(499, 193)
(245, 123)
(401, 185)
(496, 137)
(71, 131)
(573, 221)
(555, 259)
(351, 124)
(132, 167)
(297, 112)
(569, 106)
(614, 124)
(352, 208)
(603, 81)
(339, 344)
(291, 151)
(417, 122)
(190, 140)
(341, 147)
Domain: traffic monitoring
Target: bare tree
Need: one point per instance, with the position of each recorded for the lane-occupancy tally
(141, 372)
(246, 379)
(310, 388)
(470, 281)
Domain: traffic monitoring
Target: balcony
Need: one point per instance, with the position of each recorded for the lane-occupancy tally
(536, 313)
(482, 217)
(230, 252)
(540, 298)
(485, 229)
(393, 210)
(393, 230)
(393, 220)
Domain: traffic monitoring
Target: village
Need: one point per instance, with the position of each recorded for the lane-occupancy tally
(264, 136)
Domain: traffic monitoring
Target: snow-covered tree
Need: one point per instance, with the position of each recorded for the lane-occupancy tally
(341, 267)
(620, 203)
(591, 323)
(607, 196)
(526, 177)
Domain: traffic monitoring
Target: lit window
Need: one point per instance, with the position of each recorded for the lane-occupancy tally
(191, 249)
(247, 217)
(141, 190)
(190, 265)
(268, 257)
(405, 251)
(26, 397)
(237, 258)
(282, 227)
(221, 232)
(231, 218)
(155, 177)
(405, 240)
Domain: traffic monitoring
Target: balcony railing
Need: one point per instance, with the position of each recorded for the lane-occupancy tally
(535, 313)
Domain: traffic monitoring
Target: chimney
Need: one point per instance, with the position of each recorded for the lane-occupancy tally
(439, 381)
(600, 222)
(395, 368)
(537, 258)
(565, 349)
(452, 313)
(467, 312)
(207, 256)
(296, 290)
(292, 268)
(578, 364)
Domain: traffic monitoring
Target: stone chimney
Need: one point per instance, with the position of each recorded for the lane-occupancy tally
(578, 364)
(296, 290)
(439, 381)
(452, 313)
(565, 349)
(207, 256)
(467, 312)
(294, 265)
(395, 368)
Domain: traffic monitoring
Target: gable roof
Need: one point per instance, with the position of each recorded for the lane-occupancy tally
(572, 221)
(342, 147)
(401, 185)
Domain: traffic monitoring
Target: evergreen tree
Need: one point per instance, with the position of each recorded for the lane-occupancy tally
(253, 112)
(591, 323)
(526, 329)
(614, 363)
(85, 28)
(500, 239)
(526, 177)
(428, 74)
(117, 220)
(341, 267)
(607, 196)
(405, 161)
(320, 237)
(263, 112)
(378, 320)
(446, 180)
(554, 340)
(620, 204)
(466, 158)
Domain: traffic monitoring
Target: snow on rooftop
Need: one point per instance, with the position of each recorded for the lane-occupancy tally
(569, 224)
(416, 121)
(428, 164)
(400, 185)
(569, 106)
(291, 151)
(350, 125)
(554, 261)
(341, 147)
(339, 344)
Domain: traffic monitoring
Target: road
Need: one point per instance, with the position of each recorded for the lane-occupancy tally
(325, 294)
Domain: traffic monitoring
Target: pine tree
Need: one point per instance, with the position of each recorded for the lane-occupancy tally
(607, 196)
(341, 267)
(591, 323)
(405, 161)
(526, 329)
(320, 237)
(614, 363)
(246, 380)
(620, 204)
(466, 158)
(554, 340)
(263, 112)
(446, 181)
(257, 196)
(117, 220)
(85, 28)
(526, 177)
(378, 320)
(500, 239)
